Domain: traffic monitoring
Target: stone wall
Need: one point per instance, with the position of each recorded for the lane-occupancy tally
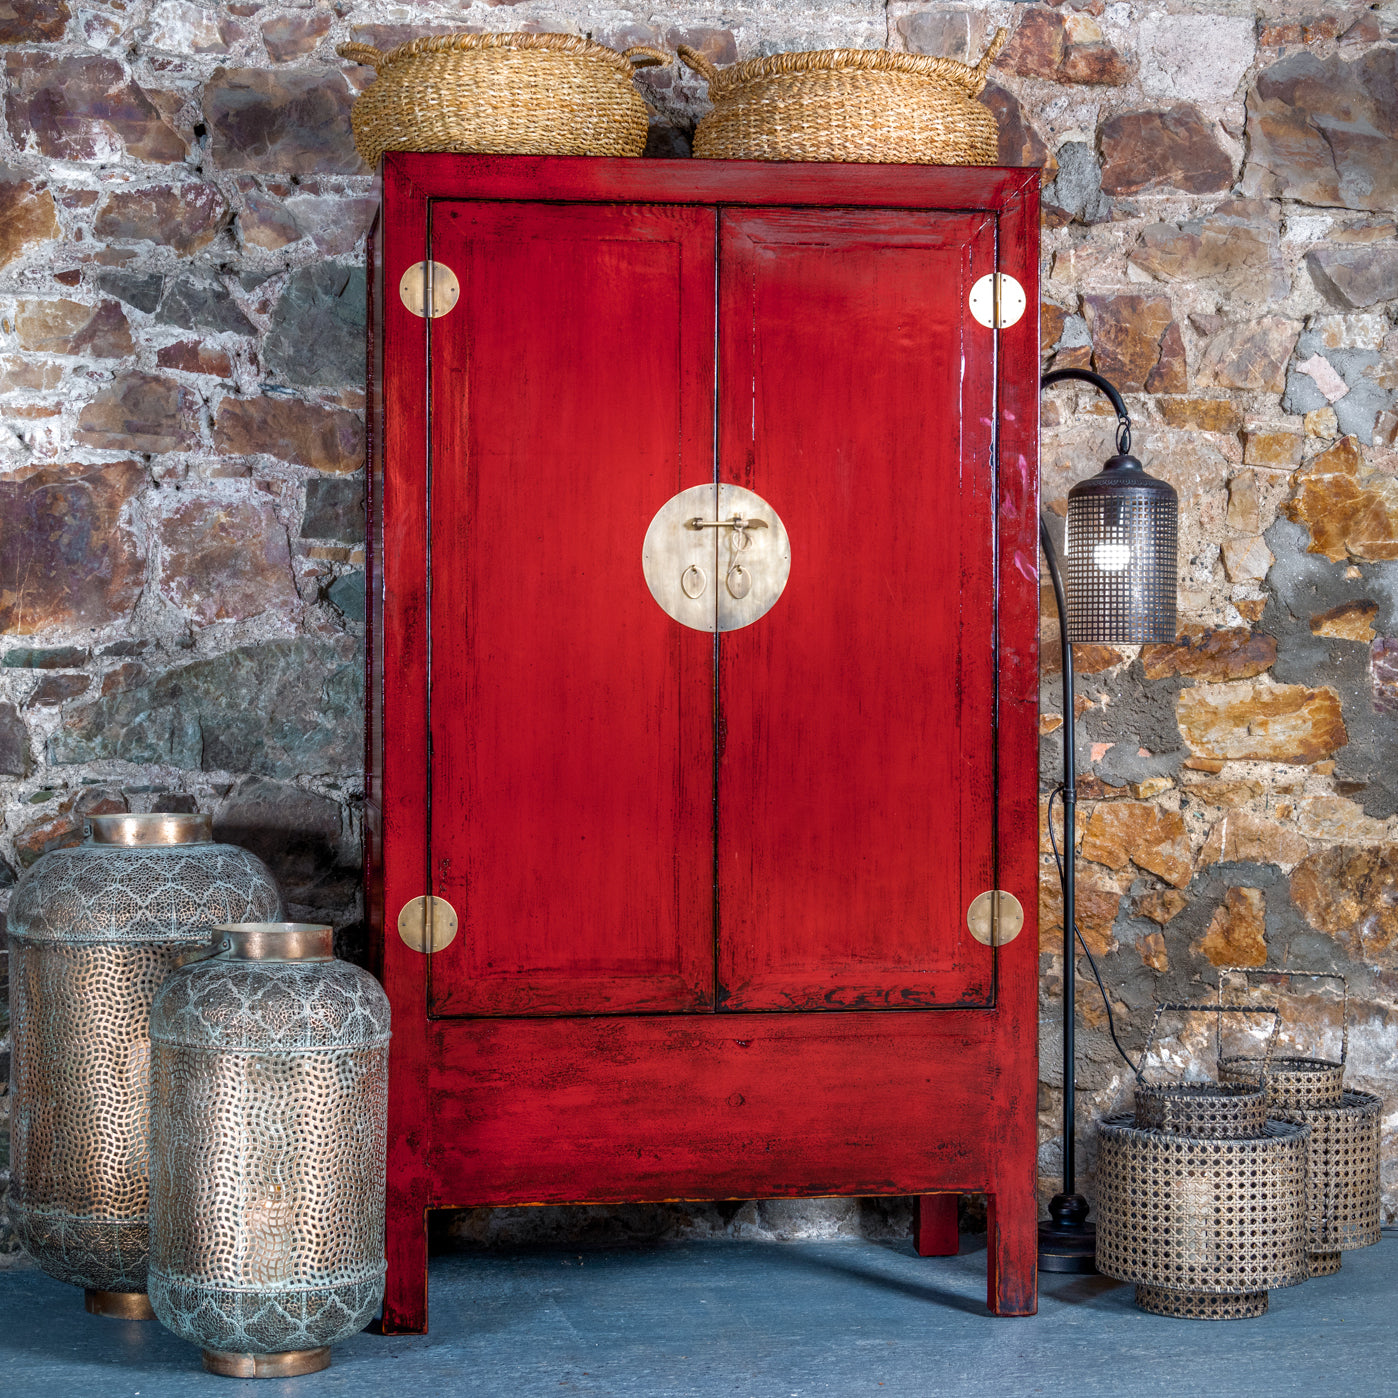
(182, 221)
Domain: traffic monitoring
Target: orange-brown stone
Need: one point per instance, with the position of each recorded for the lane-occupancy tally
(1051, 322)
(1175, 148)
(67, 555)
(1087, 659)
(1153, 953)
(1063, 48)
(140, 412)
(1268, 448)
(195, 358)
(1351, 894)
(1350, 621)
(1153, 839)
(1202, 653)
(1349, 514)
(1252, 354)
(1162, 905)
(325, 439)
(1237, 933)
(1244, 508)
(27, 218)
(1261, 722)
(70, 327)
(1097, 903)
(1136, 343)
(1247, 559)
(225, 560)
(1201, 414)
(1240, 838)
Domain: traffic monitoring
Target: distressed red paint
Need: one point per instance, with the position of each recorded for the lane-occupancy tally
(712, 897)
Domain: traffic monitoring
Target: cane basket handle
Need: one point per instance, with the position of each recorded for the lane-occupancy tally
(692, 58)
(1220, 1011)
(643, 56)
(1250, 971)
(365, 54)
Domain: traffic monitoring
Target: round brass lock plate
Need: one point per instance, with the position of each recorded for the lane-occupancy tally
(413, 289)
(995, 917)
(716, 557)
(1013, 301)
(427, 924)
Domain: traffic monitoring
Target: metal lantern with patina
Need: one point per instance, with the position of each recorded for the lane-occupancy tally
(1342, 1192)
(269, 1085)
(93, 930)
(1201, 1199)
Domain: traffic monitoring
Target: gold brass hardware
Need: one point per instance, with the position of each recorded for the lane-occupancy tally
(427, 923)
(995, 917)
(429, 283)
(1013, 301)
(679, 557)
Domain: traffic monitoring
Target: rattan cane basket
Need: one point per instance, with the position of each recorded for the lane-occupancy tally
(848, 105)
(502, 94)
(1201, 1201)
(1342, 1192)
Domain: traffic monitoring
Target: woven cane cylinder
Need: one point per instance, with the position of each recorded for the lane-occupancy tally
(1205, 1226)
(1343, 1152)
(848, 105)
(506, 94)
(269, 1082)
(93, 931)
(1295, 1083)
(1201, 1199)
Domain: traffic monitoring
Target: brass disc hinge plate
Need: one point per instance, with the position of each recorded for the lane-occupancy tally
(1013, 301)
(431, 284)
(995, 917)
(716, 557)
(427, 924)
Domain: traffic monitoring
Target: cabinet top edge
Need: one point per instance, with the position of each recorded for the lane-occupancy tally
(694, 181)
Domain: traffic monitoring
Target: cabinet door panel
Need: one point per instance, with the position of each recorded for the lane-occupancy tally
(856, 719)
(572, 720)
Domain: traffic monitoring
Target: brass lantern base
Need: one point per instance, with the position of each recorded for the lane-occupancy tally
(285, 1365)
(123, 1305)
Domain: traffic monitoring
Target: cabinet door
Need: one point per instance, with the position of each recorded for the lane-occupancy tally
(572, 720)
(856, 719)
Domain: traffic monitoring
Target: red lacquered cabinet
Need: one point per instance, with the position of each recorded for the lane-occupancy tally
(708, 800)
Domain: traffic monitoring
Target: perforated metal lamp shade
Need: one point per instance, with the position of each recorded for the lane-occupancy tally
(1121, 583)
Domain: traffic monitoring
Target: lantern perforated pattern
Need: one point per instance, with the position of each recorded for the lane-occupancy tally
(1121, 557)
(93, 932)
(270, 1084)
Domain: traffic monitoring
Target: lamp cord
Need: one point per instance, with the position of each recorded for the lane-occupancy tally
(1057, 793)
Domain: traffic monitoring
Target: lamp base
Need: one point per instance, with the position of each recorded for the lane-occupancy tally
(1068, 1242)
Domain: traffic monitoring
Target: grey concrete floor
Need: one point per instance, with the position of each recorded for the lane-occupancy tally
(755, 1320)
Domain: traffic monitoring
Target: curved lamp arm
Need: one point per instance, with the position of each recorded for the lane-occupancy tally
(1123, 418)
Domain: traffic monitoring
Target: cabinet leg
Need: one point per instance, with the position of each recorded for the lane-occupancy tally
(1012, 1251)
(934, 1225)
(405, 1286)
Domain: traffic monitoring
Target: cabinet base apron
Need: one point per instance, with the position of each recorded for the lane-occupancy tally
(286, 1365)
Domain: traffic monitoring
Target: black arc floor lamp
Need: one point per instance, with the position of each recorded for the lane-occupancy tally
(1121, 588)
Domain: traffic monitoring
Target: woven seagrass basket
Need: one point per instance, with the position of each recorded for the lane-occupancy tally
(848, 105)
(502, 94)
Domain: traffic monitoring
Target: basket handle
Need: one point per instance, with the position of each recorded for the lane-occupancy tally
(365, 54)
(692, 58)
(643, 56)
(1220, 1011)
(998, 40)
(1249, 971)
